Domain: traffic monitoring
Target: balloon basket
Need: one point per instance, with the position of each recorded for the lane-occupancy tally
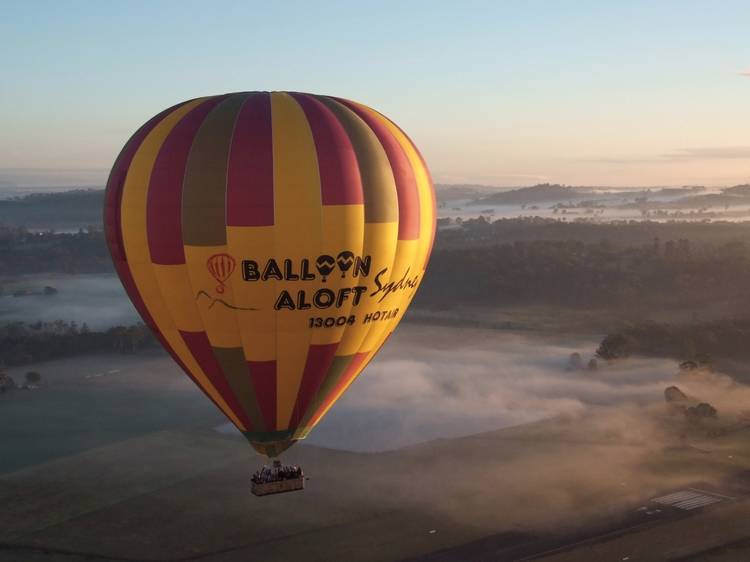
(277, 479)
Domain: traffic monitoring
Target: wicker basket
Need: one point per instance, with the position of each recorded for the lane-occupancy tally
(278, 487)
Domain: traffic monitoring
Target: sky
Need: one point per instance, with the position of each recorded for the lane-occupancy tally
(501, 93)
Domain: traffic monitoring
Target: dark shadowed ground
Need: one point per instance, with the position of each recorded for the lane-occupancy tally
(183, 495)
(118, 459)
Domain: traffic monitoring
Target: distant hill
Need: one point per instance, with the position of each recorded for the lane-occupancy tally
(739, 190)
(656, 192)
(66, 210)
(27, 180)
(452, 192)
(736, 195)
(535, 194)
(79, 208)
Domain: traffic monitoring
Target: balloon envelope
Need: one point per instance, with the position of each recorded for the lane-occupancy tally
(272, 241)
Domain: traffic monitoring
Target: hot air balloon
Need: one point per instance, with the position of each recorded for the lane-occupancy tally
(272, 242)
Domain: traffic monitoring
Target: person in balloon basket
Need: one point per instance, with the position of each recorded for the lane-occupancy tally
(265, 474)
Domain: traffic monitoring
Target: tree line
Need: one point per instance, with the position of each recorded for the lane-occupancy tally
(673, 273)
(694, 343)
(68, 209)
(22, 343)
(26, 252)
(457, 233)
(514, 261)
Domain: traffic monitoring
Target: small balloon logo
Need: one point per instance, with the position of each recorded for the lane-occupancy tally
(345, 260)
(220, 266)
(325, 265)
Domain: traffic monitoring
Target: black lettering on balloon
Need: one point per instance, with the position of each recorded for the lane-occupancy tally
(272, 271)
(323, 298)
(305, 274)
(391, 287)
(302, 304)
(358, 292)
(250, 270)
(343, 295)
(289, 274)
(284, 301)
(362, 266)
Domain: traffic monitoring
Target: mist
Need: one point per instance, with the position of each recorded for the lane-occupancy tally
(438, 382)
(98, 300)
(554, 447)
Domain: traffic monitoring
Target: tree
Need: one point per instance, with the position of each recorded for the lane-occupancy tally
(33, 378)
(673, 394)
(616, 346)
(6, 382)
(702, 411)
(575, 362)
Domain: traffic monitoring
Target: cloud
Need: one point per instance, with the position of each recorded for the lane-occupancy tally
(709, 153)
(499, 180)
(681, 155)
(622, 160)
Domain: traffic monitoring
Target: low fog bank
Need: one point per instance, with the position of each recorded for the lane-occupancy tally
(602, 441)
(433, 382)
(96, 299)
(571, 472)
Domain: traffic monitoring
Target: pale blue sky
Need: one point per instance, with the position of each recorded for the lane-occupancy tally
(509, 93)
